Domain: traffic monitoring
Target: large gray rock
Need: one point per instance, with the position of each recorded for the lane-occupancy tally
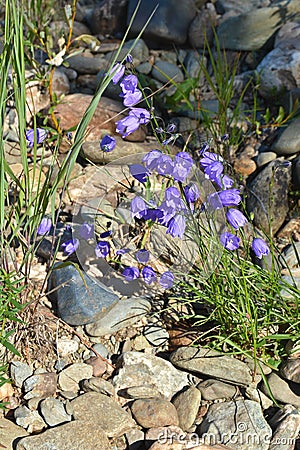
(251, 30)
(239, 424)
(268, 196)
(212, 364)
(163, 71)
(236, 7)
(79, 301)
(287, 427)
(76, 435)
(10, 433)
(281, 390)
(170, 22)
(124, 314)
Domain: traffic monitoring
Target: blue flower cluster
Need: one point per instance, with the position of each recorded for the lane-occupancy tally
(229, 197)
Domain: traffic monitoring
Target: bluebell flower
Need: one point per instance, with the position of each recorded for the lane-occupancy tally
(191, 193)
(171, 128)
(229, 241)
(105, 234)
(210, 158)
(236, 218)
(150, 159)
(44, 226)
(230, 197)
(40, 135)
(139, 172)
(166, 214)
(132, 98)
(107, 143)
(205, 147)
(142, 256)
(137, 207)
(224, 182)
(122, 251)
(102, 249)
(173, 198)
(118, 71)
(167, 280)
(86, 230)
(164, 165)
(260, 248)
(129, 84)
(149, 275)
(182, 166)
(129, 58)
(176, 226)
(213, 171)
(70, 246)
(131, 273)
(130, 123)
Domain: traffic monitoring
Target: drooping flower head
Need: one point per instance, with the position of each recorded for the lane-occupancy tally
(173, 199)
(210, 158)
(164, 165)
(70, 246)
(260, 248)
(39, 133)
(131, 273)
(137, 207)
(129, 84)
(142, 256)
(191, 193)
(130, 123)
(118, 72)
(139, 172)
(229, 241)
(182, 166)
(107, 143)
(102, 249)
(45, 226)
(149, 275)
(176, 226)
(132, 98)
(150, 159)
(167, 280)
(236, 218)
(214, 171)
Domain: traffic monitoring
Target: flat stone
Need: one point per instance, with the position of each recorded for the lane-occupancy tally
(87, 63)
(40, 385)
(291, 256)
(104, 411)
(10, 433)
(215, 390)
(265, 157)
(156, 335)
(79, 301)
(154, 412)
(187, 404)
(169, 24)
(69, 378)
(100, 385)
(281, 390)
(138, 392)
(288, 141)
(234, 422)
(139, 369)
(240, 6)
(251, 30)
(19, 371)
(212, 364)
(124, 314)
(53, 412)
(268, 196)
(76, 435)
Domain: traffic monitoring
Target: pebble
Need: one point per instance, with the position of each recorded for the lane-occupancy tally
(214, 389)
(74, 435)
(87, 63)
(187, 404)
(235, 423)
(154, 412)
(19, 371)
(264, 158)
(288, 141)
(164, 71)
(169, 24)
(98, 364)
(212, 364)
(268, 196)
(69, 378)
(53, 412)
(139, 369)
(281, 390)
(79, 301)
(40, 385)
(258, 396)
(100, 385)
(122, 315)
(29, 419)
(10, 433)
(66, 346)
(156, 335)
(104, 411)
(146, 391)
